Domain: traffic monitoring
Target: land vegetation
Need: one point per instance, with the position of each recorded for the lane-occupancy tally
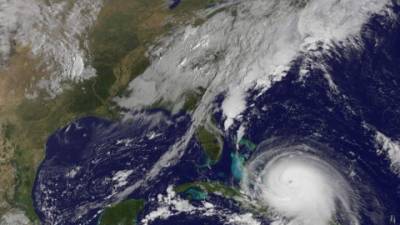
(118, 43)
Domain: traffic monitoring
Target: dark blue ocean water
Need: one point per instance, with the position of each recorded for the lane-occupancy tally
(173, 3)
(75, 179)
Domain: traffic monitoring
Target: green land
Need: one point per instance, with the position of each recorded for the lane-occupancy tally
(192, 99)
(249, 145)
(200, 190)
(210, 143)
(123, 213)
(118, 42)
(209, 187)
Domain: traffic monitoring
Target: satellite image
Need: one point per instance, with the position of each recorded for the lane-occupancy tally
(199, 112)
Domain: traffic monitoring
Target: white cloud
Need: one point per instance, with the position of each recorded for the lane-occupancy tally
(54, 32)
(233, 54)
(14, 217)
(120, 178)
(171, 204)
(391, 148)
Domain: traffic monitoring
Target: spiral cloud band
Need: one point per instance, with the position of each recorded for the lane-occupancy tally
(300, 187)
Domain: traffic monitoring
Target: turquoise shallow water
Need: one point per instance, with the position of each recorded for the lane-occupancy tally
(83, 158)
(237, 166)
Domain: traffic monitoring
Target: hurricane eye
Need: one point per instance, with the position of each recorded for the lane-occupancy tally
(300, 186)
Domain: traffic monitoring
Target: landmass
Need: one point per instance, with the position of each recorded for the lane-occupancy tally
(118, 41)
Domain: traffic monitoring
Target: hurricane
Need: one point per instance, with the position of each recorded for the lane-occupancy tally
(299, 185)
(241, 112)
